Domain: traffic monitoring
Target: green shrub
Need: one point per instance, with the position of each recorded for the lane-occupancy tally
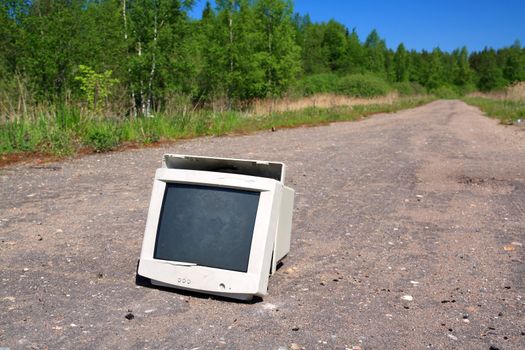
(466, 89)
(362, 85)
(102, 137)
(446, 92)
(317, 84)
(409, 88)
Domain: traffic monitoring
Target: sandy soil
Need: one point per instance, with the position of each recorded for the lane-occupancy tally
(427, 203)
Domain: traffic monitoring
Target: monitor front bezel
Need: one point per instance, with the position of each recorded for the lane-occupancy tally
(186, 275)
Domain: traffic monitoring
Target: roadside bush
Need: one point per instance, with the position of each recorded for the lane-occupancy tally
(446, 92)
(317, 84)
(362, 85)
(466, 89)
(409, 88)
(102, 137)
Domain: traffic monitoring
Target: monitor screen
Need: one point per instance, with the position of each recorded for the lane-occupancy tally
(206, 225)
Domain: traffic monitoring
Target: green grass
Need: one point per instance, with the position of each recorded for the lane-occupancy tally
(66, 131)
(507, 111)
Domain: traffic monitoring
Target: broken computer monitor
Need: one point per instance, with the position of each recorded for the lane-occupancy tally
(217, 225)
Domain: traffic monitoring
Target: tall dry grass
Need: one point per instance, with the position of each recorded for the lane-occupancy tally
(514, 92)
(517, 91)
(268, 106)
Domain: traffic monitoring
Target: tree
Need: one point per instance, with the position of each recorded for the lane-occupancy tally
(462, 74)
(355, 54)
(234, 41)
(278, 52)
(49, 52)
(9, 34)
(314, 55)
(401, 63)
(210, 82)
(96, 86)
(513, 62)
(160, 53)
(436, 76)
(489, 74)
(375, 49)
(335, 44)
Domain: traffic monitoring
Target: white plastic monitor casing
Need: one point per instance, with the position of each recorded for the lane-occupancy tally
(271, 235)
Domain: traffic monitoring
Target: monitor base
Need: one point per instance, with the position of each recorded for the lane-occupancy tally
(237, 296)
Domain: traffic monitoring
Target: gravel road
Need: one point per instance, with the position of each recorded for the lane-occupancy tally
(409, 233)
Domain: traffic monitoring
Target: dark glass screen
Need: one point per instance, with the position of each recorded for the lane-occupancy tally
(208, 226)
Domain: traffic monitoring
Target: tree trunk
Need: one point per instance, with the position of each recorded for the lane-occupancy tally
(133, 106)
(152, 70)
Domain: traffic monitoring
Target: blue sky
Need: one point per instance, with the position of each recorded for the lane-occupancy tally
(423, 24)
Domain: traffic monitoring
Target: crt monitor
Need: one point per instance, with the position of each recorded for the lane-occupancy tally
(211, 228)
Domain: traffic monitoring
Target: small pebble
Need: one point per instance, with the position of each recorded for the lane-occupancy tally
(407, 297)
(453, 337)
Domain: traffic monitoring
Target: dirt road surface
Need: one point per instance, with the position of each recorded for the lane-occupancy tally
(409, 233)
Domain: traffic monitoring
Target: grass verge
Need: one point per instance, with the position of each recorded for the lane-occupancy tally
(507, 111)
(67, 133)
